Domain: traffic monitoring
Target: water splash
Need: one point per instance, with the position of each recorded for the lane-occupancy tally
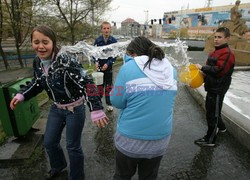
(176, 52)
(97, 52)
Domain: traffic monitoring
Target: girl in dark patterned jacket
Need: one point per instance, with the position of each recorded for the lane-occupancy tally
(218, 75)
(66, 84)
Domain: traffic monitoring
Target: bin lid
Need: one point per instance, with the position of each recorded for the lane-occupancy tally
(10, 83)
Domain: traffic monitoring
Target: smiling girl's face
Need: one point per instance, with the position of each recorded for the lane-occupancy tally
(42, 45)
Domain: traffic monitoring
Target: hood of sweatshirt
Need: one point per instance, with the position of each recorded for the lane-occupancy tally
(127, 58)
(161, 72)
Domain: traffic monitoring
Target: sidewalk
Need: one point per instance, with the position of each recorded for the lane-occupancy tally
(10, 75)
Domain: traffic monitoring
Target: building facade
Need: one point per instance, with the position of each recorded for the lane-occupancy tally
(130, 27)
(201, 21)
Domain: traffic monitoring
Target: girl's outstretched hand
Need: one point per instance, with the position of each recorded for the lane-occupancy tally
(13, 103)
(101, 123)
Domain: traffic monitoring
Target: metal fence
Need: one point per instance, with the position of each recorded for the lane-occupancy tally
(14, 63)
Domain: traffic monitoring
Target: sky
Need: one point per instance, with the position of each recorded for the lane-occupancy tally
(137, 9)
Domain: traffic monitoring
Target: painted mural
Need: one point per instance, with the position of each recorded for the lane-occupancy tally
(200, 20)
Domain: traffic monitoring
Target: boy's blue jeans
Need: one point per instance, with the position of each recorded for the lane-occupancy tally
(57, 119)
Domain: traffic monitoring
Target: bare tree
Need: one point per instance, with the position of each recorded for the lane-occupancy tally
(75, 12)
(6, 64)
(100, 7)
(20, 16)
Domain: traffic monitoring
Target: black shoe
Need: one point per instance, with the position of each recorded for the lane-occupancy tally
(51, 175)
(222, 130)
(207, 144)
(204, 142)
(201, 140)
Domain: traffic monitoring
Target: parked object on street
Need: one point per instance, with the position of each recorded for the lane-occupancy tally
(18, 122)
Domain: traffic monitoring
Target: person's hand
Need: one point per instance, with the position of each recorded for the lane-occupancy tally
(101, 123)
(97, 66)
(198, 66)
(13, 103)
(104, 67)
(203, 74)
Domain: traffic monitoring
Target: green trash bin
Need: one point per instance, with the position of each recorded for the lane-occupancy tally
(18, 122)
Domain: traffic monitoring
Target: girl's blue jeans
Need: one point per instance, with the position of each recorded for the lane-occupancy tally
(74, 122)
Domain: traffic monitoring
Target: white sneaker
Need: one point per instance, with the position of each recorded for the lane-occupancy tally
(110, 108)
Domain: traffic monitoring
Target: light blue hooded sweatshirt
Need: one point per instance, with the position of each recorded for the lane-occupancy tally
(145, 98)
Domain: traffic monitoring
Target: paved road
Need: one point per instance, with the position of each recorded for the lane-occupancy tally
(183, 160)
(191, 43)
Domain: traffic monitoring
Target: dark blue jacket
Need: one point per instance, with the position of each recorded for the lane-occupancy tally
(66, 82)
(100, 42)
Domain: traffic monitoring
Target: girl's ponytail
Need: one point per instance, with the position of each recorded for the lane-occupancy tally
(143, 46)
(154, 52)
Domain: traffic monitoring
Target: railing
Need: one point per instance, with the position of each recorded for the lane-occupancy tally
(13, 60)
(15, 57)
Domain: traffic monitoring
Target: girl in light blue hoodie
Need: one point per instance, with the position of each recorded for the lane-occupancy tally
(144, 91)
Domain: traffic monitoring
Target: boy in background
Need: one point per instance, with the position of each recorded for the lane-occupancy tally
(105, 65)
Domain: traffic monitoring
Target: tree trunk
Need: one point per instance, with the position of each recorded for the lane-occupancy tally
(72, 35)
(19, 55)
(6, 64)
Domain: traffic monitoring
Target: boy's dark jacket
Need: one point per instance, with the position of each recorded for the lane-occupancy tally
(65, 83)
(219, 69)
(100, 42)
